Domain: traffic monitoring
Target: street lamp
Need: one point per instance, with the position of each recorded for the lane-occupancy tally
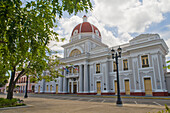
(116, 54)
(26, 96)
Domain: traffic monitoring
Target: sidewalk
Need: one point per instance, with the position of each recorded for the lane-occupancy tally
(105, 96)
(114, 96)
(46, 105)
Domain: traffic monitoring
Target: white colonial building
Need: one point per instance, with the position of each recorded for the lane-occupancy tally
(91, 70)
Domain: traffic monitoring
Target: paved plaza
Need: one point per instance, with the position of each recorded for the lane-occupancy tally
(51, 105)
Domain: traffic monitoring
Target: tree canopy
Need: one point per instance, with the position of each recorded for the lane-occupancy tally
(26, 30)
(168, 64)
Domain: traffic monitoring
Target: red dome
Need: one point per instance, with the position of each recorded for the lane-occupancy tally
(85, 27)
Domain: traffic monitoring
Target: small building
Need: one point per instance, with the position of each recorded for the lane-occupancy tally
(168, 82)
(2, 89)
(21, 85)
(93, 71)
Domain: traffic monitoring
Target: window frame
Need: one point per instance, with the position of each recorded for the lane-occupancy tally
(125, 67)
(70, 70)
(145, 61)
(76, 71)
(97, 67)
(114, 66)
(75, 32)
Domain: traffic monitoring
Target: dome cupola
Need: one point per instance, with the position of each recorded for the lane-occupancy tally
(85, 29)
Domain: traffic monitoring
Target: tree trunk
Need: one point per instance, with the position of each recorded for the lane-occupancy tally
(10, 93)
(13, 81)
(11, 84)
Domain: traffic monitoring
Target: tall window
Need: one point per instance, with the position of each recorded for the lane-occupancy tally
(97, 68)
(75, 52)
(145, 62)
(51, 87)
(75, 69)
(47, 88)
(125, 64)
(114, 66)
(70, 69)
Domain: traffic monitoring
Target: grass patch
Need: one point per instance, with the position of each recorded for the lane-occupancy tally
(167, 110)
(11, 103)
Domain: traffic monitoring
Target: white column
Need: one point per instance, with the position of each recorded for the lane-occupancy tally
(80, 79)
(107, 76)
(77, 86)
(71, 86)
(72, 71)
(64, 83)
(85, 78)
(60, 84)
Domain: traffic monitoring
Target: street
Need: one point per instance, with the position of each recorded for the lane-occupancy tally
(52, 103)
(112, 99)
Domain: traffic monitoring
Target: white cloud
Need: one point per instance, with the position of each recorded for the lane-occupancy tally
(164, 5)
(68, 24)
(168, 44)
(107, 35)
(166, 37)
(64, 31)
(130, 15)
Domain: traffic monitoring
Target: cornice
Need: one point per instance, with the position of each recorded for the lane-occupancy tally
(83, 40)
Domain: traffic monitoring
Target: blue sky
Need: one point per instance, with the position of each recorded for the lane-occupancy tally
(120, 20)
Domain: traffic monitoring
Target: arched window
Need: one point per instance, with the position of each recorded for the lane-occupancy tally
(97, 32)
(75, 52)
(75, 32)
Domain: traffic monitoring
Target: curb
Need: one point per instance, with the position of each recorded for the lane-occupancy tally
(116, 97)
(6, 108)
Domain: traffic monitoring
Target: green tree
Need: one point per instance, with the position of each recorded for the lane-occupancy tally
(168, 66)
(26, 30)
(3, 76)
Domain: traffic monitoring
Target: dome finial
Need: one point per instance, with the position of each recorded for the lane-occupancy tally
(84, 18)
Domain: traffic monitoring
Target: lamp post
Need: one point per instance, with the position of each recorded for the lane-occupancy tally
(116, 55)
(26, 96)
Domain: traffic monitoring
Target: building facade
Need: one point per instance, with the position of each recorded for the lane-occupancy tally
(90, 68)
(167, 77)
(21, 85)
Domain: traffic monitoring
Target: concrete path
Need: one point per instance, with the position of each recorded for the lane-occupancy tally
(49, 105)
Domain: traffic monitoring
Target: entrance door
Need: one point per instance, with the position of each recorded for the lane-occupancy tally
(50, 88)
(148, 86)
(75, 87)
(56, 88)
(98, 88)
(39, 89)
(70, 87)
(127, 88)
(115, 87)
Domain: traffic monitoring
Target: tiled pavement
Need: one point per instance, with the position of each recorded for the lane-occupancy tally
(81, 105)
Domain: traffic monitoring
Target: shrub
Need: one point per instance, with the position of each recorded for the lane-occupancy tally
(9, 103)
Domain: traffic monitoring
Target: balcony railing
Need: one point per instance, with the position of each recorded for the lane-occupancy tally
(71, 75)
